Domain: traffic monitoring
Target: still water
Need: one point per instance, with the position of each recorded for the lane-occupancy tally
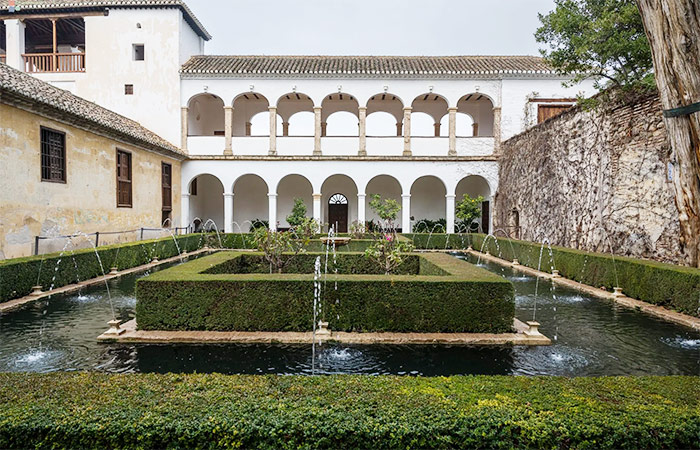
(592, 337)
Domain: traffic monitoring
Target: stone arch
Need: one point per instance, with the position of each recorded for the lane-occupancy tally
(290, 187)
(428, 199)
(480, 109)
(245, 107)
(206, 200)
(474, 186)
(250, 200)
(335, 115)
(343, 184)
(295, 104)
(205, 115)
(434, 105)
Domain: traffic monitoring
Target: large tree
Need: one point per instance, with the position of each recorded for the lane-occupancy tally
(599, 39)
(673, 29)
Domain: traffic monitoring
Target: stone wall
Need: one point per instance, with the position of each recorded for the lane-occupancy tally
(592, 180)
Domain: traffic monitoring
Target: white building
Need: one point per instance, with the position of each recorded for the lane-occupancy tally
(261, 131)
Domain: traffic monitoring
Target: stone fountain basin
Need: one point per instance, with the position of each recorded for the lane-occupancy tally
(337, 241)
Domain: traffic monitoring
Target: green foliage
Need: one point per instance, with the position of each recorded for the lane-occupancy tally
(427, 241)
(298, 214)
(448, 295)
(598, 39)
(387, 209)
(141, 411)
(469, 209)
(671, 286)
(388, 252)
(430, 226)
(259, 223)
(17, 276)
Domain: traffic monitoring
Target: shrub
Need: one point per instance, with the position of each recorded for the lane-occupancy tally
(18, 276)
(668, 285)
(430, 226)
(469, 209)
(138, 411)
(448, 295)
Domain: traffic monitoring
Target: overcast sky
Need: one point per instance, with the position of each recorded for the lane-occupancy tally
(371, 27)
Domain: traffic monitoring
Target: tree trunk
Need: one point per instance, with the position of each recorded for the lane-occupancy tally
(673, 29)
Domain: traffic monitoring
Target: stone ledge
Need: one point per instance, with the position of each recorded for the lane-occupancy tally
(493, 157)
(132, 335)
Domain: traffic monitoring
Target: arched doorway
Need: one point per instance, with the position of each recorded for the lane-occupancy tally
(338, 213)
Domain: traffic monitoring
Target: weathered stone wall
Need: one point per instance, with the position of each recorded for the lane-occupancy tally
(87, 202)
(593, 180)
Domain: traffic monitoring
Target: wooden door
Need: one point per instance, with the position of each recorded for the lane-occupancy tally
(338, 213)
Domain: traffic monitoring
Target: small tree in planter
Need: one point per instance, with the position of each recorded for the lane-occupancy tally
(469, 209)
(298, 213)
(387, 249)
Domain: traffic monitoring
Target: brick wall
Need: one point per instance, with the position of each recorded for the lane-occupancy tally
(592, 180)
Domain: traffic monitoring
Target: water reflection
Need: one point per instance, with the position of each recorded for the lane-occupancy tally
(593, 337)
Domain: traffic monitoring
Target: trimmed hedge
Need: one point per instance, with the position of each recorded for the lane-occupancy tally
(346, 264)
(450, 296)
(668, 285)
(19, 275)
(240, 241)
(674, 287)
(142, 411)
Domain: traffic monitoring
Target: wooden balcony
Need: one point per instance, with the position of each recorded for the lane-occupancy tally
(54, 62)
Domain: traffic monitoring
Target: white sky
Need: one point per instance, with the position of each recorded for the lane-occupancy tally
(371, 27)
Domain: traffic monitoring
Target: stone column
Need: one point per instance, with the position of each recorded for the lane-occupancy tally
(407, 131)
(361, 219)
(496, 129)
(272, 211)
(273, 130)
(317, 208)
(399, 129)
(185, 210)
(228, 212)
(453, 131)
(324, 125)
(450, 213)
(184, 125)
(406, 213)
(317, 131)
(228, 130)
(15, 43)
(436, 129)
(248, 127)
(363, 130)
(285, 128)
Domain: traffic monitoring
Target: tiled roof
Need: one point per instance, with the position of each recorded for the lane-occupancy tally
(18, 88)
(363, 66)
(32, 6)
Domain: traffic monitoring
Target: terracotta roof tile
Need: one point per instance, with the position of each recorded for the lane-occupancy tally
(25, 6)
(68, 107)
(362, 66)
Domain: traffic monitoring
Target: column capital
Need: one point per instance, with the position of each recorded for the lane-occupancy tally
(496, 108)
(361, 194)
(405, 195)
(228, 194)
(272, 108)
(407, 109)
(450, 196)
(272, 195)
(227, 107)
(317, 196)
(185, 195)
(452, 109)
(184, 108)
(318, 108)
(362, 108)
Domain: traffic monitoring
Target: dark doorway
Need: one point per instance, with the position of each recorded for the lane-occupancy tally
(485, 216)
(338, 213)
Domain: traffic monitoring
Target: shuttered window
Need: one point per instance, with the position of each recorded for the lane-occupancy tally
(53, 156)
(167, 187)
(124, 184)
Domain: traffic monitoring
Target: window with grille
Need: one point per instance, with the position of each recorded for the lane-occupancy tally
(124, 185)
(53, 156)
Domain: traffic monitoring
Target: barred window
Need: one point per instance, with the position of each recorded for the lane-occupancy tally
(167, 186)
(124, 179)
(53, 156)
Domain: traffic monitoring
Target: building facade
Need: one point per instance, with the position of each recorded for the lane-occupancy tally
(68, 166)
(260, 131)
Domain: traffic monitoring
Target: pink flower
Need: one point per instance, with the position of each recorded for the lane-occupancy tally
(389, 237)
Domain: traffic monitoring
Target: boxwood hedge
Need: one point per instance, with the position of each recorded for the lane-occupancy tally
(142, 411)
(668, 285)
(447, 295)
(17, 276)
(240, 241)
